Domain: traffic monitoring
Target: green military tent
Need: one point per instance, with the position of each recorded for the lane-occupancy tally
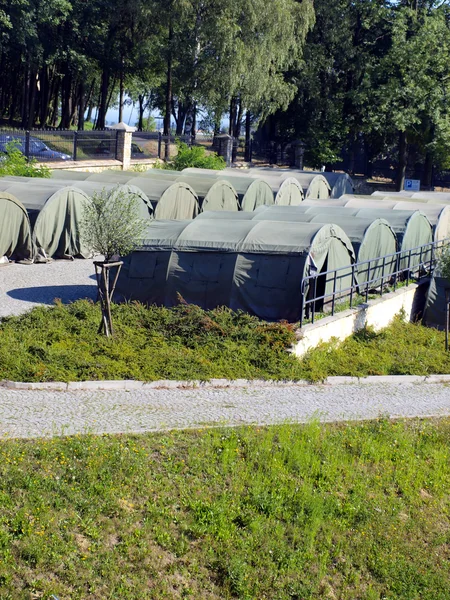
(251, 192)
(255, 266)
(143, 203)
(55, 215)
(71, 175)
(412, 228)
(213, 194)
(290, 193)
(314, 185)
(15, 229)
(372, 239)
(437, 214)
(167, 173)
(171, 199)
(414, 234)
(375, 245)
(340, 183)
(168, 199)
(434, 314)
(442, 197)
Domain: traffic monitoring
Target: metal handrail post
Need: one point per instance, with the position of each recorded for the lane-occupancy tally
(352, 285)
(313, 312)
(27, 145)
(75, 144)
(409, 267)
(333, 299)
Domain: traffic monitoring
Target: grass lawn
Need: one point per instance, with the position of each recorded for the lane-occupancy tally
(357, 511)
(61, 344)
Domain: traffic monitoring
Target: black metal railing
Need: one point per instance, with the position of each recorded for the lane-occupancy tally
(53, 144)
(153, 144)
(410, 265)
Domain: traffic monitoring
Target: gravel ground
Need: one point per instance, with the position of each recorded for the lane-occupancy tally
(24, 286)
(45, 413)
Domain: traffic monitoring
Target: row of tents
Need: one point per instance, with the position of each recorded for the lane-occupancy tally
(41, 217)
(251, 186)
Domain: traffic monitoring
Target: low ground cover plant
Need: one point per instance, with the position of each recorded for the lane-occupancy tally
(312, 512)
(186, 342)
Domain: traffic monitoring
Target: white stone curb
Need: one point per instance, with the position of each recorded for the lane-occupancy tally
(129, 384)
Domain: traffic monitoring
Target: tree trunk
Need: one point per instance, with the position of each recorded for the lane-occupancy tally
(237, 125)
(351, 158)
(194, 120)
(54, 118)
(45, 96)
(81, 106)
(402, 160)
(101, 117)
(248, 125)
(168, 112)
(428, 171)
(183, 111)
(236, 131)
(25, 97)
(232, 116)
(121, 94)
(66, 100)
(33, 88)
(141, 112)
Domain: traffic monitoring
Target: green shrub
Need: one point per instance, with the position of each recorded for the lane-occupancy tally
(13, 162)
(193, 157)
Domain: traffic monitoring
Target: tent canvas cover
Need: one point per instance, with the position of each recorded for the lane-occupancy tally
(55, 216)
(15, 229)
(255, 266)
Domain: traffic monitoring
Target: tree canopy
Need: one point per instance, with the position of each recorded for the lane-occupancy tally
(339, 75)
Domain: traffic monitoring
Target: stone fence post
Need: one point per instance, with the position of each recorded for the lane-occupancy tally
(124, 137)
(223, 145)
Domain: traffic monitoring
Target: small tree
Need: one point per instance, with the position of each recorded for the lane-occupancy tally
(444, 263)
(112, 226)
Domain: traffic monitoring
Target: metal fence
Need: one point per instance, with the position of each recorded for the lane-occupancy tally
(150, 144)
(274, 153)
(409, 264)
(51, 145)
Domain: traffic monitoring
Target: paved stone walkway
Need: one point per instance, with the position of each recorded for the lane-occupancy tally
(23, 287)
(46, 413)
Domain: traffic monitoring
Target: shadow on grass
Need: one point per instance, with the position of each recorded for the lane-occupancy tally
(48, 294)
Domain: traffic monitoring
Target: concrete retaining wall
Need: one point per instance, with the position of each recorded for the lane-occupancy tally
(97, 166)
(376, 313)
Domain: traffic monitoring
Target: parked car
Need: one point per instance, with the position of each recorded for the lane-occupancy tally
(107, 147)
(38, 149)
